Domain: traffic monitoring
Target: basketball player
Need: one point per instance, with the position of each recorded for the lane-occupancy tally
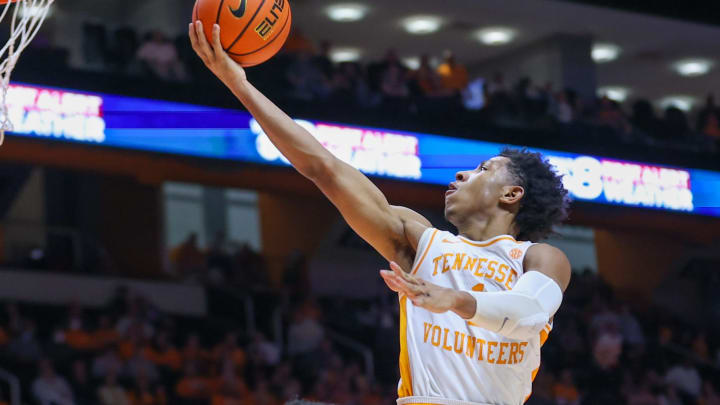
(475, 307)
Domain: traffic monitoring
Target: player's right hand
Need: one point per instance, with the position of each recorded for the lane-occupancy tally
(213, 55)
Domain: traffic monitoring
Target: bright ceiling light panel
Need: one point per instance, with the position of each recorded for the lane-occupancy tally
(496, 35)
(693, 67)
(347, 12)
(617, 93)
(605, 52)
(422, 24)
(682, 102)
(339, 55)
(412, 62)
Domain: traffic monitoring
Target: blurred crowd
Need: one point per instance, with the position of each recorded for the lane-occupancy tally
(130, 353)
(436, 88)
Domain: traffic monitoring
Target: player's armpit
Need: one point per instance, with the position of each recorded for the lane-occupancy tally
(394, 232)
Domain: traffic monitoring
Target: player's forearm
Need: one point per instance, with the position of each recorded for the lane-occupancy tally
(303, 151)
(463, 303)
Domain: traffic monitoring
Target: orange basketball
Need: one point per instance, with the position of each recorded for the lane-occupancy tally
(251, 31)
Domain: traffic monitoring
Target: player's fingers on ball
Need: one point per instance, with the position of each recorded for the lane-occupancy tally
(217, 47)
(202, 41)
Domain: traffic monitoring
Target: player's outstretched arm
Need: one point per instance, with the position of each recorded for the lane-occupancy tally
(390, 230)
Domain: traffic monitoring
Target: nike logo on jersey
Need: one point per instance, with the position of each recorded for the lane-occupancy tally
(450, 241)
(504, 322)
(240, 10)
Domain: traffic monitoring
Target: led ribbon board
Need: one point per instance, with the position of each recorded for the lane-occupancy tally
(191, 130)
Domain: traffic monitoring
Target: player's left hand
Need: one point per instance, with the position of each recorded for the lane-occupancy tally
(422, 293)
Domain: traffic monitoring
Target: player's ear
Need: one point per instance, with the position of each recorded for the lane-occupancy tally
(512, 194)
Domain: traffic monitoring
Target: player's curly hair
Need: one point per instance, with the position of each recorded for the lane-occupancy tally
(545, 203)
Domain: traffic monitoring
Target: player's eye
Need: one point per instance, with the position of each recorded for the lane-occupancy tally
(483, 168)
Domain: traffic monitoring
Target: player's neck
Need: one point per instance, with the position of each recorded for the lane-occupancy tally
(483, 228)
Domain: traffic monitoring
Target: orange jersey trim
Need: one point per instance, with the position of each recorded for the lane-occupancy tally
(405, 389)
(492, 242)
(427, 249)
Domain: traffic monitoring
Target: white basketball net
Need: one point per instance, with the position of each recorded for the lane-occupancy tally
(26, 18)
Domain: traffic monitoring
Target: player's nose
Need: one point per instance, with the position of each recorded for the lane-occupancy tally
(461, 176)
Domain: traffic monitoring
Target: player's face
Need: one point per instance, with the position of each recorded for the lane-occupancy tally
(477, 190)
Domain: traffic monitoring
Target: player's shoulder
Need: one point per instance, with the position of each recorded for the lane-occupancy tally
(548, 259)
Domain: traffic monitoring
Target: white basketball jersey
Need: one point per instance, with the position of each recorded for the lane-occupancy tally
(443, 358)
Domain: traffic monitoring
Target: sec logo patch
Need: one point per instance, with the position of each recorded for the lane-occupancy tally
(515, 253)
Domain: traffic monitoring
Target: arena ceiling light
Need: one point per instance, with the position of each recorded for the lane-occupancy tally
(422, 24)
(605, 52)
(494, 36)
(339, 55)
(693, 67)
(346, 12)
(412, 62)
(682, 102)
(617, 93)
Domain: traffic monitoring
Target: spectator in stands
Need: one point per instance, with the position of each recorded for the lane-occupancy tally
(641, 394)
(610, 115)
(700, 347)
(709, 395)
(264, 396)
(674, 125)
(564, 390)
(187, 258)
(305, 332)
(644, 119)
(49, 388)
(76, 335)
(24, 347)
(685, 378)
(192, 352)
(159, 57)
(81, 385)
(630, 328)
(322, 59)
(105, 334)
(145, 394)
(298, 42)
(428, 81)
(107, 363)
(350, 84)
(231, 389)
(193, 386)
(454, 75)
(228, 350)
(307, 79)
(608, 347)
(263, 352)
(111, 393)
(394, 88)
(219, 259)
(561, 109)
(708, 121)
(163, 354)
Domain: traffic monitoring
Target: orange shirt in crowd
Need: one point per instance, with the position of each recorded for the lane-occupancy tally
(126, 349)
(455, 77)
(194, 387)
(78, 339)
(237, 356)
(194, 355)
(170, 358)
(104, 337)
(4, 338)
(567, 392)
